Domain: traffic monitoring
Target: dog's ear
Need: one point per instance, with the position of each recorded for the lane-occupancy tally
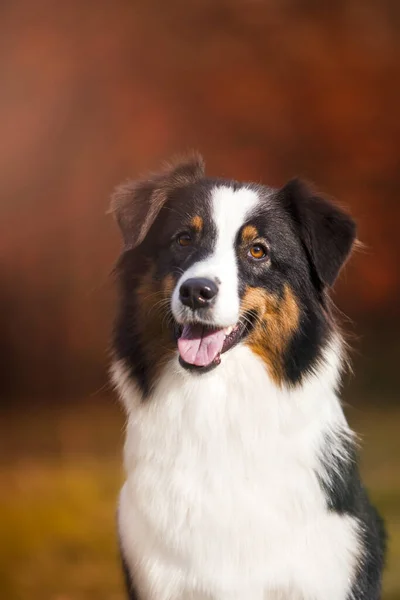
(326, 231)
(136, 204)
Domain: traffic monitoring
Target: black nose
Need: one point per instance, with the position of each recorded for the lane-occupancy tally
(198, 292)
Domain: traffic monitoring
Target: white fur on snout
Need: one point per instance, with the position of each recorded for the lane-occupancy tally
(230, 211)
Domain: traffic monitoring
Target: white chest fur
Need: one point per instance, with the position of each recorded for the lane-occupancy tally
(222, 496)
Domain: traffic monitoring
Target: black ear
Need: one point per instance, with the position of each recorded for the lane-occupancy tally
(327, 232)
(136, 204)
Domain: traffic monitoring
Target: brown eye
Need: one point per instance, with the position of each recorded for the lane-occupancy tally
(257, 251)
(183, 239)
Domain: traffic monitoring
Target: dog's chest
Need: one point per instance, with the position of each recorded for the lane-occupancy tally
(222, 481)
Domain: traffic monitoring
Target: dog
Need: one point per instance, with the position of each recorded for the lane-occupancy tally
(241, 470)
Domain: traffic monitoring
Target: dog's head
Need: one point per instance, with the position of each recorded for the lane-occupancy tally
(209, 264)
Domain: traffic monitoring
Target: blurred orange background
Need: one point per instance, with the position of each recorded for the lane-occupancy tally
(94, 92)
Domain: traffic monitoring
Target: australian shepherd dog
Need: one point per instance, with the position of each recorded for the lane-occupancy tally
(241, 470)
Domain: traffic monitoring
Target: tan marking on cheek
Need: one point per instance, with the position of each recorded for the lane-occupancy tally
(197, 223)
(249, 233)
(168, 285)
(277, 319)
(153, 306)
(290, 311)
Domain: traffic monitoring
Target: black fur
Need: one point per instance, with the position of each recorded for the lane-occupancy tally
(129, 584)
(132, 594)
(326, 231)
(304, 350)
(346, 495)
(127, 343)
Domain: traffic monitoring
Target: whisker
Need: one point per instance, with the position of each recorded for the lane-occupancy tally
(161, 303)
(153, 294)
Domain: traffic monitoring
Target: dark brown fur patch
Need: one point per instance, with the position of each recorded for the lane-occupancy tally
(277, 319)
(249, 233)
(168, 284)
(197, 223)
(154, 319)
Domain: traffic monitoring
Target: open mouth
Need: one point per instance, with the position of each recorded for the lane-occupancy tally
(200, 346)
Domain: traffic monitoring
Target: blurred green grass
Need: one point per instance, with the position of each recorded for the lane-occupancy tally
(59, 481)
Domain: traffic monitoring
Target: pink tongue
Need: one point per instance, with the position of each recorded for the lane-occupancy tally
(199, 345)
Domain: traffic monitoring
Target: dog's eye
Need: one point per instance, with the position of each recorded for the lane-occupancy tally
(183, 239)
(257, 252)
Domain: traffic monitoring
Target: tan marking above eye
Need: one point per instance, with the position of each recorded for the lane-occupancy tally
(197, 223)
(249, 233)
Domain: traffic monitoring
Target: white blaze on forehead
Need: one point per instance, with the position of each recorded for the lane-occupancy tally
(230, 211)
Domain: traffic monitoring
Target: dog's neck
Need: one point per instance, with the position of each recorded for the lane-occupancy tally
(241, 375)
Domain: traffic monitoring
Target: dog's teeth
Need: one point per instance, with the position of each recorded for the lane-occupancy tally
(228, 331)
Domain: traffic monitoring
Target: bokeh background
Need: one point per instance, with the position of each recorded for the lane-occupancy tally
(92, 92)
